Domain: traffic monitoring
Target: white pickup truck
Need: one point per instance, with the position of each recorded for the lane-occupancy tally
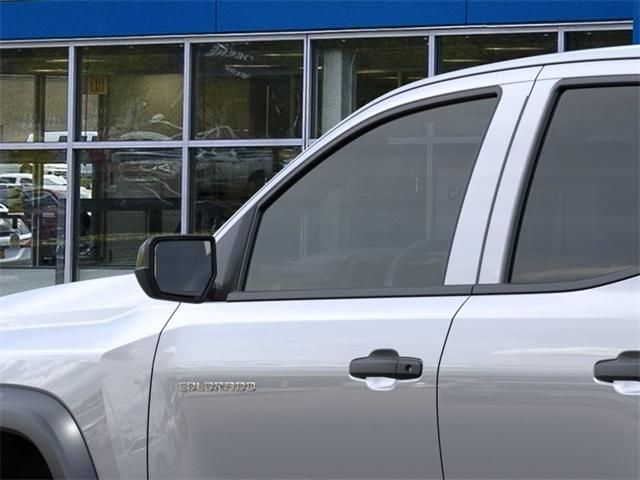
(446, 285)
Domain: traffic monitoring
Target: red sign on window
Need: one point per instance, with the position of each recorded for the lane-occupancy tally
(97, 84)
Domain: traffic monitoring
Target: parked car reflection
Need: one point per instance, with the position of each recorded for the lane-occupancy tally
(226, 177)
(134, 193)
(50, 182)
(31, 225)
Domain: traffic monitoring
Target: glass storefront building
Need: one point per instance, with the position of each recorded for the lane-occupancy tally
(106, 140)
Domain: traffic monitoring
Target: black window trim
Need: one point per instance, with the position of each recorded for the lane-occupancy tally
(345, 293)
(336, 144)
(554, 287)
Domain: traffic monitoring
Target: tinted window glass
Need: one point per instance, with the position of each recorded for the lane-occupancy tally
(378, 213)
(597, 39)
(33, 95)
(32, 214)
(461, 51)
(131, 92)
(225, 177)
(581, 215)
(247, 90)
(126, 196)
(349, 73)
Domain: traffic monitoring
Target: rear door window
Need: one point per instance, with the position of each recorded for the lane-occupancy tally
(581, 213)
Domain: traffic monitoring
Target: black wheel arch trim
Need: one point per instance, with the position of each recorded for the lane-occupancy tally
(43, 419)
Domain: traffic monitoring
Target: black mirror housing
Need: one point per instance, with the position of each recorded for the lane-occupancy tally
(177, 267)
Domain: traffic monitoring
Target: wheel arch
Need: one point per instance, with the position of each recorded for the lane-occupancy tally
(44, 420)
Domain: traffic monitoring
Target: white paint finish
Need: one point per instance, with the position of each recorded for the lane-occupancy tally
(511, 183)
(307, 417)
(472, 223)
(516, 393)
(593, 68)
(523, 150)
(90, 344)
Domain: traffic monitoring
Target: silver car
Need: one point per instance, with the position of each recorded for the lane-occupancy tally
(446, 285)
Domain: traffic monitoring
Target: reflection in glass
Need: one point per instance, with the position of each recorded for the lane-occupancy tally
(33, 95)
(134, 194)
(131, 92)
(225, 178)
(597, 39)
(462, 51)
(585, 191)
(247, 90)
(349, 73)
(33, 192)
(183, 267)
(378, 213)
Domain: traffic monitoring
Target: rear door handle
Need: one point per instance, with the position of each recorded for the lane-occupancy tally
(622, 372)
(386, 363)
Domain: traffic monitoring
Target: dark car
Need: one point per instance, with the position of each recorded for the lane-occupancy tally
(40, 211)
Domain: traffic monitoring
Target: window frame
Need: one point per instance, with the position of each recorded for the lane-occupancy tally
(78, 102)
(238, 227)
(367, 125)
(315, 130)
(192, 100)
(539, 136)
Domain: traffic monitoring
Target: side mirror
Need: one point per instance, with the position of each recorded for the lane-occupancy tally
(177, 267)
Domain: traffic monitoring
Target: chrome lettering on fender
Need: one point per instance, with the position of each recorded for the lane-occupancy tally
(204, 387)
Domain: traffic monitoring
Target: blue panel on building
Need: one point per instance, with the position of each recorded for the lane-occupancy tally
(540, 11)
(25, 19)
(95, 18)
(261, 15)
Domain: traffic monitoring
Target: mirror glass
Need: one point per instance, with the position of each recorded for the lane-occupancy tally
(183, 267)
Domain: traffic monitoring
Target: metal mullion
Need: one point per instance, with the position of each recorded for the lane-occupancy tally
(431, 55)
(260, 142)
(498, 31)
(528, 28)
(34, 44)
(254, 37)
(33, 146)
(468, 30)
(382, 33)
(126, 144)
(334, 33)
(582, 27)
(185, 178)
(164, 40)
(69, 274)
(92, 42)
(561, 47)
(307, 94)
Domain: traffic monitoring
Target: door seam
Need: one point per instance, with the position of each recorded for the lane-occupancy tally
(153, 363)
(438, 384)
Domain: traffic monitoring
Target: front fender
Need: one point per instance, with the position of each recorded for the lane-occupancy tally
(91, 345)
(45, 421)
